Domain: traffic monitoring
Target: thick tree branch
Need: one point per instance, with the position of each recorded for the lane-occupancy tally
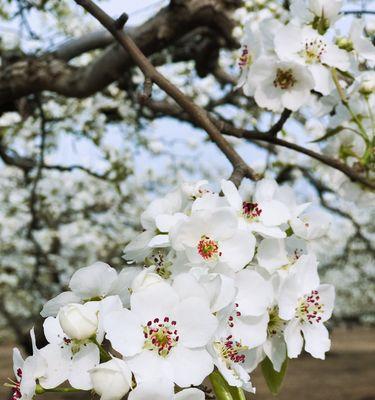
(51, 72)
(241, 169)
(75, 47)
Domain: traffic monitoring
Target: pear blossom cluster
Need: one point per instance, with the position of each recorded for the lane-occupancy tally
(314, 60)
(215, 282)
(282, 63)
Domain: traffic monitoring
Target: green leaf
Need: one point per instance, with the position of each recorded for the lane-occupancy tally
(220, 386)
(237, 393)
(329, 134)
(222, 390)
(273, 378)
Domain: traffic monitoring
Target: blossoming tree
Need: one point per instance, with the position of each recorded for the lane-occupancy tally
(217, 279)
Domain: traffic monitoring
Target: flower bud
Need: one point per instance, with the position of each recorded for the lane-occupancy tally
(111, 380)
(367, 86)
(345, 44)
(146, 279)
(77, 321)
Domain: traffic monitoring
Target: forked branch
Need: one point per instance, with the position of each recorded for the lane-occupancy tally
(198, 115)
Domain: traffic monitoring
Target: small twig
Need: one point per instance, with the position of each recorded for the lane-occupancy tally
(278, 126)
(121, 21)
(147, 91)
(359, 12)
(69, 168)
(34, 197)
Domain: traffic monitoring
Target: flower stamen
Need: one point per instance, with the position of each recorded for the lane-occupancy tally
(251, 210)
(160, 336)
(313, 50)
(230, 350)
(208, 248)
(245, 58)
(310, 308)
(284, 79)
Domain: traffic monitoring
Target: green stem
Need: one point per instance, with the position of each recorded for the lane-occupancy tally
(345, 102)
(104, 355)
(371, 114)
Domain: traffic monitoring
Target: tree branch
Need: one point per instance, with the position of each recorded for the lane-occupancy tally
(358, 12)
(265, 137)
(166, 108)
(241, 169)
(12, 158)
(275, 129)
(51, 72)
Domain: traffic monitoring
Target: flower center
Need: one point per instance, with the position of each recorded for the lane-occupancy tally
(309, 308)
(276, 324)
(251, 210)
(245, 58)
(163, 267)
(229, 350)
(313, 50)
(74, 345)
(208, 248)
(284, 79)
(160, 336)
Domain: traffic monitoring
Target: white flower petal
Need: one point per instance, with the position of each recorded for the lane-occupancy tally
(317, 341)
(148, 365)
(272, 254)
(254, 295)
(86, 359)
(252, 331)
(58, 365)
(155, 301)
(190, 394)
(190, 366)
(327, 298)
(239, 250)
(155, 389)
(186, 285)
(195, 323)
(53, 331)
(124, 330)
(293, 338)
(274, 213)
(137, 249)
(275, 349)
(93, 281)
(231, 194)
(159, 241)
(52, 307)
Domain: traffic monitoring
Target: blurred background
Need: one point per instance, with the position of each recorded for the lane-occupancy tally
(75, 173)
